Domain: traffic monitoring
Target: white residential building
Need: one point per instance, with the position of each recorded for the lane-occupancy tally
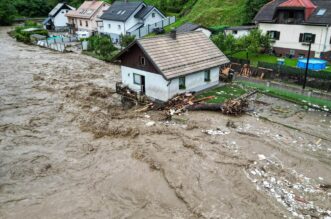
(173, 66)
(57, 19)
(292, 24)
(126, 17)
(239, 31)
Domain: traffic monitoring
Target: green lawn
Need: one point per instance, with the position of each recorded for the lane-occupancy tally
(223, 93)
(255, 58)
(290, 96)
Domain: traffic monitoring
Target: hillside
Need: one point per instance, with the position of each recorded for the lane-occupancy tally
(208, 12)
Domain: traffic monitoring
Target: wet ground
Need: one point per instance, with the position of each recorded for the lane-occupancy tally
(69, 150)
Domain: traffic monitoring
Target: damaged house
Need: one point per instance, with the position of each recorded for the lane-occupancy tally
(57, 19)
(164, 66)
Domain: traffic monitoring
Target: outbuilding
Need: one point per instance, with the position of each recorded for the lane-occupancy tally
(163, 66)
(188, 27)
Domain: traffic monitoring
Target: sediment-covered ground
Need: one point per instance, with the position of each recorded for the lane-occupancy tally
(69, 150)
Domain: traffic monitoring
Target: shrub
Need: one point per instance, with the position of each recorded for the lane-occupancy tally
(126, 40)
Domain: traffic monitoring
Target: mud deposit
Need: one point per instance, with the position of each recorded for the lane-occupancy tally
(69, 150)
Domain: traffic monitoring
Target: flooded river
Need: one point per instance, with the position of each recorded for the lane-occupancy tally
(69, 150)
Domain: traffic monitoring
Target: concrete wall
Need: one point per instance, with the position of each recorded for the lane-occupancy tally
(159, 88)
(289, 36)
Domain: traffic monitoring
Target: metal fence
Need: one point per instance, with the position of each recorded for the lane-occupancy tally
(58, 44)
(143, 31)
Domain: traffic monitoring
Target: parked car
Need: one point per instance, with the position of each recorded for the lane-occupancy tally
(82, 34)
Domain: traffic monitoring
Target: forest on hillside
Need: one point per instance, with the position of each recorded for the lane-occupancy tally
(205, 12)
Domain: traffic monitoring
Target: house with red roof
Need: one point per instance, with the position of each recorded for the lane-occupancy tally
(292, 24)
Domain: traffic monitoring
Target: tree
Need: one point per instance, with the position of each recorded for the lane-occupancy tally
(251, 8)
(7, 12)
(125, 40)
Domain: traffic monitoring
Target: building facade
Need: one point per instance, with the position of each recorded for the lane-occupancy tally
(84, 19)
(293, 24)
(126, 17)
(57, 19)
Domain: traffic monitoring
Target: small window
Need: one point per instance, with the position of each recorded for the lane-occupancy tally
(86, 23)
(119, 26)
(274, 35)
(292, 52)
(142, 61)
(67, 11)
(321, 12)
(182, 85)
(234, 32)
(119, 12)
(307, 37)
(137, 79)
(62, 12)
(207, 75)
(153, 14)
(80, 23)
(109, 26)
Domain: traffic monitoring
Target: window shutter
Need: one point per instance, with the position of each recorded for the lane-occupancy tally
(301, 37)
(313, 38)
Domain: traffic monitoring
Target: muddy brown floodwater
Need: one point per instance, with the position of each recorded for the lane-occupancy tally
(69, 150)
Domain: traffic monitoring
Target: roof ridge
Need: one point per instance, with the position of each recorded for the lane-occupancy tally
(167, 35)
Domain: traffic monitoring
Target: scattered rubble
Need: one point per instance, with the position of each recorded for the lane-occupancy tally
(297, 193)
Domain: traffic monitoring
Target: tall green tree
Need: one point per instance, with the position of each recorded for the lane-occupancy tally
(7, 12)
(251, 8)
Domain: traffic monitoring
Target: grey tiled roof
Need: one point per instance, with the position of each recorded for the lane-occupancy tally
(268, 11)
(143, 12)
(189, 53)
(120, 11)
(187, 27)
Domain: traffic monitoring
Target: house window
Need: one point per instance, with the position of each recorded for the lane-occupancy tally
(86, 23)
(62, 12)
(207, 75)
(109, 26)
(292, 52)
(67, 11)
(137, 79)
(234, 32)
(119, 26)
(142, 61)
(182, 85)
(80, 23)
(153, 15)
(274, 35)
(307, 37)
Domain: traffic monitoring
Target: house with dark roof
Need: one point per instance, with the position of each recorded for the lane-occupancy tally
(292, 24)
(84, 19)
(239, 31)
(187, 27)
(161, 67)
(57, 19)
(125, 17)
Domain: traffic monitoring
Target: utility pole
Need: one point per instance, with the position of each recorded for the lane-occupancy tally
(306, 72)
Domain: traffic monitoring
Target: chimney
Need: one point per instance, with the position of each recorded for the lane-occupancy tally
(173, 34)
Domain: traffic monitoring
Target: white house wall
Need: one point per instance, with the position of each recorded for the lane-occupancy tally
(240, 33)
(149, 19)
(159, 88)
(155, 85)
(195, 82)
(289, 36)
(60, 20)
(113, 31)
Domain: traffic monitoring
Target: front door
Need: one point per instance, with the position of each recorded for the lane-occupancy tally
(143, 87)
